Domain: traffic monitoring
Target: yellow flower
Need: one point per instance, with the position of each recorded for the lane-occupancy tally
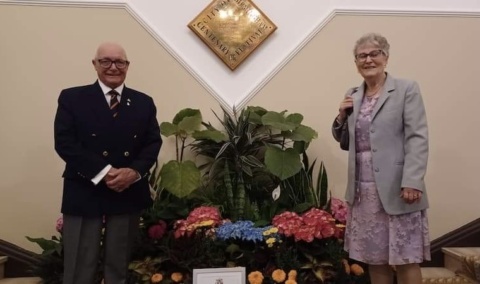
(177, 277)
(292, 275)
(156, 278)
(356, 269)
(255, 277)
(206, 223)
(290, 281)
(270, 241)
(278, 275)
(346, 266)
(270, 231)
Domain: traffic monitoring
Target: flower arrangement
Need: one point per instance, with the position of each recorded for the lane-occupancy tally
(253, 202)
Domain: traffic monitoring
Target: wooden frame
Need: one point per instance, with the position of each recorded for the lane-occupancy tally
(232, 29)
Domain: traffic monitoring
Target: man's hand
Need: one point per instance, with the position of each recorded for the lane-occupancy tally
(120, 179)
(411, 195)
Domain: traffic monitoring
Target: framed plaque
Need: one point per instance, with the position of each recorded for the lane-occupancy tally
(235, 275)
(232, 29)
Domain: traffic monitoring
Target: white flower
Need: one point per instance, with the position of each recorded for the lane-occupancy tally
(276, 193)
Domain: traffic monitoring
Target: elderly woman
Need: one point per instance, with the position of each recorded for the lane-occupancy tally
(382, 124)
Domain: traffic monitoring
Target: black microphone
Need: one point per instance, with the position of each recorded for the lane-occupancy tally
(349, 111)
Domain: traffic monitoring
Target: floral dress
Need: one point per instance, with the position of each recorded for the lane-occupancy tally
(372, 236)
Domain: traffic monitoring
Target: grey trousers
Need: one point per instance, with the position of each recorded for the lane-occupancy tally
(83, 243)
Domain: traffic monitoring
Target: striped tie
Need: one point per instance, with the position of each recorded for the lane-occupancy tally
(114, 103)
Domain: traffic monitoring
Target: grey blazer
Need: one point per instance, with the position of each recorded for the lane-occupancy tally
(399, 144)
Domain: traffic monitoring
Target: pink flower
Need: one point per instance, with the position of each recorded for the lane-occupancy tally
(200, 217)
(180, 227)
(287, 223)
(59, 225)
(305, 233)
(313, 224)
(339, 210)
(157, 231)
(204, 213)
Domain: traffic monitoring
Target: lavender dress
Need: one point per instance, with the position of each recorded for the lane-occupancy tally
(372, 236)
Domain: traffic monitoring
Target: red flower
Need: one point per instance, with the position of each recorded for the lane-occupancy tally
(158, 230)
(313, 224)
(287, 223)
(203, 216)
(305, 233)
(204, 213)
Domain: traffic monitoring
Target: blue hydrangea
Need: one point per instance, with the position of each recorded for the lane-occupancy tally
(241, 230)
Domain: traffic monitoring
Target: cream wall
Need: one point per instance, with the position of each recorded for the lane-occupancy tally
(45, 49)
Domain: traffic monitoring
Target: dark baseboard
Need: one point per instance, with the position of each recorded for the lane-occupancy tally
(19, 261)
(465, 236)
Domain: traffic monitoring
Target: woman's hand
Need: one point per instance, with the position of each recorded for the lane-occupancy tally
(411, 195)
(346, 104)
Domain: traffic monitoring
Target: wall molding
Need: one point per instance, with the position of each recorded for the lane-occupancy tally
(59, 3)
(241, 103)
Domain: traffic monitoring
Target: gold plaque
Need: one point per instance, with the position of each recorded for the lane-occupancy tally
(233, 29)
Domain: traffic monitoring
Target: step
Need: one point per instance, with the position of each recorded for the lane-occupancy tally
(455, 256)
(21, 280)
(3, 259)
(434, 275)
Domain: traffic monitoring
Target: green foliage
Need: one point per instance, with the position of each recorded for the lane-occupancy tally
(258, 150)
(254, 167)
(49, 247)
(180, 178)
(282, 163)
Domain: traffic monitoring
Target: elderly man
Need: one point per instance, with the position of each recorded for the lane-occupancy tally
(109, 138)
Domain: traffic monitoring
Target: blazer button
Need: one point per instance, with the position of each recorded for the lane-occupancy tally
(377, 170)
(105, 153)
(373, 130)
(126, 154)
(374, 150)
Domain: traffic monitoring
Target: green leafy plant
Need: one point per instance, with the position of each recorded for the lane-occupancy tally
(227, 199)
(262, 149)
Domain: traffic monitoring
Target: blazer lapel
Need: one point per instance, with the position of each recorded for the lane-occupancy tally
(124, 110)
(99, 104)
(388, 88)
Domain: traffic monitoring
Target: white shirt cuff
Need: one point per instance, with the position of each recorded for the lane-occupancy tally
(101, 175)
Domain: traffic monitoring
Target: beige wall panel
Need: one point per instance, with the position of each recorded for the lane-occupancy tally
(442, 54)
(46, 49)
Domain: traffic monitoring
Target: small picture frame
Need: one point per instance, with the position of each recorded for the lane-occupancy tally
(234, 275)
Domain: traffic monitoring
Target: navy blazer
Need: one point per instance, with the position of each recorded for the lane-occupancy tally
(88, 138)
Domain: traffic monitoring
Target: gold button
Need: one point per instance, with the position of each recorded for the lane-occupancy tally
(105, 153)
(135, 136)
(126, 154)
(93, 134)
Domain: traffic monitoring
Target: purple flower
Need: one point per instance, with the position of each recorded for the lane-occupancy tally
(339, 210)
(59, 225)
(158, 230)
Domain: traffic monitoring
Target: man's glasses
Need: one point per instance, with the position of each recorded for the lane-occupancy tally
(107, 63)
(361, 57)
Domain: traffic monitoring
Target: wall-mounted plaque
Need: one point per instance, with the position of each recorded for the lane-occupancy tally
(232, 29)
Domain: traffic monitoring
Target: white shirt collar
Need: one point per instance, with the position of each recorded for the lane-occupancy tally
(107, 89)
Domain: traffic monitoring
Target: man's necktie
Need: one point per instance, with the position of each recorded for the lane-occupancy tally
(114, 103)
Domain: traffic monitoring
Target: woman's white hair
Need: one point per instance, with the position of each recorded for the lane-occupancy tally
(373, 38)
